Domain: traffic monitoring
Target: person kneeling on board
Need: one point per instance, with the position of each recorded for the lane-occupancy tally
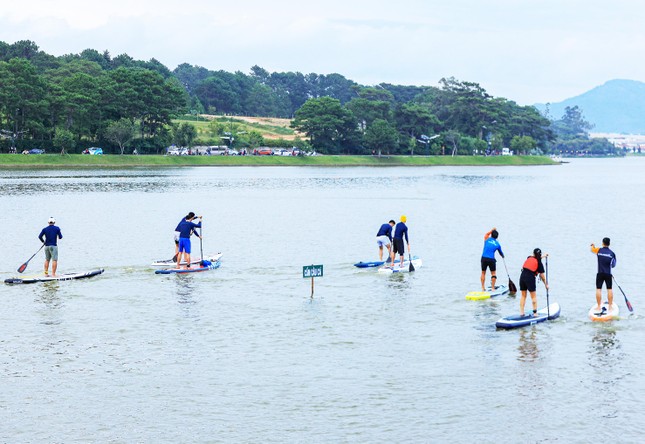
(532, 267)
(491, 245)
(186, 228)
(606, 261)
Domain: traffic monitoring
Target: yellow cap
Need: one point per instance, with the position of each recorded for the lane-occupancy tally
(404, 219)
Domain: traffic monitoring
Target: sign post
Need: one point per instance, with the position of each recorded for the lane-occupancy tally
(312, 271)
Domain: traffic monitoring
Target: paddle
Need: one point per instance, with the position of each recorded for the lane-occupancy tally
(201, 245)
(546, 284)
(23, 267)
(629, 304)
(411, 269)
(512, 289)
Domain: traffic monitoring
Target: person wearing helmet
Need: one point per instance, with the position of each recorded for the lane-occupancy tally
(606, 261)
(491, 245)
(49, 236)
(400, 232)
(532, 267)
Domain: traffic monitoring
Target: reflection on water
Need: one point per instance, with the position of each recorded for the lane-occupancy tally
(527, 349)
(604, 358)
(47, 294)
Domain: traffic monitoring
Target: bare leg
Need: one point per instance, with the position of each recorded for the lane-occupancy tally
(483, 279)
(380, 253)
(187, 255)
(522, 302)
(610, 297)
(598, 298)
(534, 301)
(46, 266)
(54, 268)
(493, 279)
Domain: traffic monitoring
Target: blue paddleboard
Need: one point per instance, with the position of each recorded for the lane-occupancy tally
(362, 264)
(516, 321)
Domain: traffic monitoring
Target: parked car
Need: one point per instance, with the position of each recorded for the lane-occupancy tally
(232, 152)
(263, 152)
(281, 152)
(35, 151)
(94, 151)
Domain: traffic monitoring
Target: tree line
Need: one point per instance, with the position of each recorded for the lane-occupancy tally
(74, 101)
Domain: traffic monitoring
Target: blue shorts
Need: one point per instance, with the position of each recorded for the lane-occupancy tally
(184, 245)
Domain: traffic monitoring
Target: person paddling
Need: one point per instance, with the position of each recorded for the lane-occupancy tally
(186, 228)
(400, 231)
(51, 234)
(491, 245)
(176, 236)
(532, 267)
(606, 261)
(384, 238)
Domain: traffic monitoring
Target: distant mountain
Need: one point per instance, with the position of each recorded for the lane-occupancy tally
(618, 106)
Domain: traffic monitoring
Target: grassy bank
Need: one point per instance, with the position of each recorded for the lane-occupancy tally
(116, 161)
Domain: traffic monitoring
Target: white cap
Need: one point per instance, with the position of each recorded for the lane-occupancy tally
(52, 220)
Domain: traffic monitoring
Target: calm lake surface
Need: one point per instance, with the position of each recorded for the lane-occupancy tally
(243, 354)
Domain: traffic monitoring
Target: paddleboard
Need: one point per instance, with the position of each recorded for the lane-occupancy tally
(372, 264)
(48, 278)
(416, 262)
(516, 321)
(193, 260)
(209, 266)
(604, 316)
(481, 295)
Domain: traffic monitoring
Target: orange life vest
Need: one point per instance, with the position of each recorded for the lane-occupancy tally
(531, 264)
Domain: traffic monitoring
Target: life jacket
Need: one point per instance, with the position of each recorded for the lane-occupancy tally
(531, 264)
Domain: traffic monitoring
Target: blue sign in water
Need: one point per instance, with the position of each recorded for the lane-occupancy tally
(309, 271)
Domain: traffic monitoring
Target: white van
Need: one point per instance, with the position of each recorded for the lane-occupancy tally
(507, 152)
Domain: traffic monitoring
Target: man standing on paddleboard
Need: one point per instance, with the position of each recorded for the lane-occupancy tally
(384, 238)
(186, 227)
(606, 261)
(51, 234)
(400, 231)
(531, 268)
(190, 215)
(491, 245)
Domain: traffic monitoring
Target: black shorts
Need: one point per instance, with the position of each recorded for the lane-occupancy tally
(489, 263)
(603, 278)
(527, 280)
(399, 246)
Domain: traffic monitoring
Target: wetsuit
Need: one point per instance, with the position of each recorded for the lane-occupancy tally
(606, 261)
(400, 231)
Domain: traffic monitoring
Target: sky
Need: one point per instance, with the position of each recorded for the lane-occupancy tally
(527, 51)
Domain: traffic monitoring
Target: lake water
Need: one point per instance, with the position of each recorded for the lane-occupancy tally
(243, 354)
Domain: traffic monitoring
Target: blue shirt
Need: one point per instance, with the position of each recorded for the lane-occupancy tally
(385, 230)
(186, 228)
(52, 234)
(400, 230)
(606, 260)
(490, 247)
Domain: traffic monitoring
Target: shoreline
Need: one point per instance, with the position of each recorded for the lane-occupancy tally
(18, 161)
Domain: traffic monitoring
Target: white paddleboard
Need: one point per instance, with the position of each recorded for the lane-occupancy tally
(397, 268)
(609, 314)
(194, 259)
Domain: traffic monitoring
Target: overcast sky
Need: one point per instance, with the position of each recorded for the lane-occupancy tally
(527, 51)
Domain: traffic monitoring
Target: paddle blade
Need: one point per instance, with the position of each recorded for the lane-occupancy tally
(22, 268)
(629, 305)
(411, 269)
(512, 289)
